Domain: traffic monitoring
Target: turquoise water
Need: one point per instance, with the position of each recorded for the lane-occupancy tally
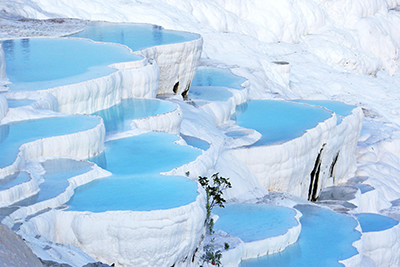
(42, 63)
(16, 134)
(209, 93)
(118, 117)
(217, 77)
(251, 222)
(13, 180)
(15, 103)
(134, 192)
(58, 171)
(371, 222)
(339, 108)
(149, 153)
(279, 121)
(326, 237)
(196, 142)
(136, 183)
(135, 36)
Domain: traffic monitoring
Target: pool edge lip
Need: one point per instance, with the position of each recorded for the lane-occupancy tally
(20, 158)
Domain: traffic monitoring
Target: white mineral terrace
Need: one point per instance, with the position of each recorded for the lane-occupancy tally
(296, 102)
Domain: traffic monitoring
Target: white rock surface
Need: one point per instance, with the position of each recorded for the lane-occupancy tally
(279, 166)
(132, 240)
(178, 63)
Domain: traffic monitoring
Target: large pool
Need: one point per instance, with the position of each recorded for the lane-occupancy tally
(136, 183)
(118, 117)
(251, 222)
(326, 238)
(135, 36)
(207, 76)
(42, 63)
(279, 121)
(13, 135)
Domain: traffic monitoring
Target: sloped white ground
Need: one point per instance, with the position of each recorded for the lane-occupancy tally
(336, 50)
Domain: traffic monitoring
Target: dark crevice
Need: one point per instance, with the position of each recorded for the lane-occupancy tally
(176, 87)
(332, 168)
(185, 92)
(314, 176)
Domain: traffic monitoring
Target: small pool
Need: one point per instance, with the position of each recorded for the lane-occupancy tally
(58, 171)
(13, 180)
(136, 183)
(42, 63)
(326, 238)
(371, 222)
(196, 142)
(149, 153)
(339, 108)
(118, 117)
(16, 103)
(251, 222)
(279, 121)
(16, 134)
(135, 36)
(364, 188)
(207, 76)
(209, 93)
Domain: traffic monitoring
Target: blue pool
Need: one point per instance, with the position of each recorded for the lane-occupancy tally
(16, 134)
(136, 183)
(118, 117)
(135, 36)
(279, 121)
(371, 222)
(15, 103)
(13, 180)
(207, 76)
(326, 238)
(196, 142)
(58, 171)
(209, 93)
(42, 63)
(251, 222)
(134, 192)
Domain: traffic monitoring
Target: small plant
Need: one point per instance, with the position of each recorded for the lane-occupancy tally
(211, 256)
(214, 197)
(214, 191)
(226, 246)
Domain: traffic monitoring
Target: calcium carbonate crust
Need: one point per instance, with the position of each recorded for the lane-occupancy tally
(177, 62)
(169, 122)
(137, 238)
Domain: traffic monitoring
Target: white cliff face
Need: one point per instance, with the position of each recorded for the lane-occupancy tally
(3, 107)
(279, 166)
(169, 122)
(178, 63)
(136, 79)
(173, 234)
